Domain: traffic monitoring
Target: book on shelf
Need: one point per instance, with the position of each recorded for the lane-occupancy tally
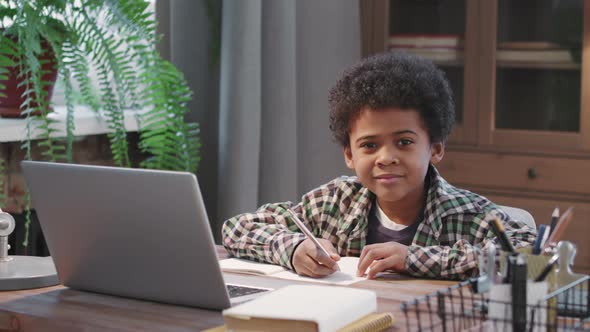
(542, 56)
(346, 275)
(309, 308)
(434, 54)
(528, 45)
(425, 41)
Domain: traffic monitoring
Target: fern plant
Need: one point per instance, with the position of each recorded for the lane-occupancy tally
(116, 39)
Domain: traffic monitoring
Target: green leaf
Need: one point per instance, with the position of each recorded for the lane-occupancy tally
(120, 48)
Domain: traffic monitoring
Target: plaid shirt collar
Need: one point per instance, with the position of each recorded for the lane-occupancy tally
(442, 200)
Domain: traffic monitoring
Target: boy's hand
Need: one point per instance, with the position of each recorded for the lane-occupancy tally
(310, 261)
(379, 257)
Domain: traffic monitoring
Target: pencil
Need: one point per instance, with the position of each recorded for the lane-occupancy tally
(561, 226)
(554, 219)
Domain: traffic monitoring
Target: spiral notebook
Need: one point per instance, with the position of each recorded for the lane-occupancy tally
(370, 323)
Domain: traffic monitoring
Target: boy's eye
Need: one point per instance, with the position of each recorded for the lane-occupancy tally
(368, 145)
(405, 142)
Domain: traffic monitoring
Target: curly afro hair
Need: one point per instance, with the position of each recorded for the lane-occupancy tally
(393, 79)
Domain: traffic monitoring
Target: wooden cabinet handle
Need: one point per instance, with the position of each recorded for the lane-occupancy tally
(532, 173)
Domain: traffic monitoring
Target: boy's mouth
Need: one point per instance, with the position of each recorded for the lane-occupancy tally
(388, 178)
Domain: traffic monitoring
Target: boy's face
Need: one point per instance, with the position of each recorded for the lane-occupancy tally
(390, 151)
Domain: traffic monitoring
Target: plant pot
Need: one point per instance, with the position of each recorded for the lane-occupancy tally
(10, 105)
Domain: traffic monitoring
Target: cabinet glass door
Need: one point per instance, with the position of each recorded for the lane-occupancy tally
(436, 30)
(538, 73)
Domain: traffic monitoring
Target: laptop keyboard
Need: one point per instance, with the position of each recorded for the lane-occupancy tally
(235, 291)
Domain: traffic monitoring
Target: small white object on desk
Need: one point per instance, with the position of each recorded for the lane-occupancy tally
(22, 272)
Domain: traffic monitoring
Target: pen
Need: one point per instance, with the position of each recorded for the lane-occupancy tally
(505, 243)
(554, 219)
(308, 233)
(545, 237)
(547, 268)
(539, 239)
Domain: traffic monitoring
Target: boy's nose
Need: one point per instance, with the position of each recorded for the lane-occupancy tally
(387, 157)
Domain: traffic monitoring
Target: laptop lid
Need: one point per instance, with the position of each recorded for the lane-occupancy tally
(130, 232)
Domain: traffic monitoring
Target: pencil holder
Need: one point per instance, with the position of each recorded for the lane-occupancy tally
(535, 265)
(532, 310)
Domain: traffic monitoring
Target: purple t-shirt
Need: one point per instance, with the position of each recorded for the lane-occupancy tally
(378, 233)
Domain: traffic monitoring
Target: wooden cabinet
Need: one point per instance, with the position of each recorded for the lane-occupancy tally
(520, 73)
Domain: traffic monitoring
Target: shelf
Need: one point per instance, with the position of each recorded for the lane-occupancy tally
(443, 59)
(539, 65)
(452, 63)
(86, 123)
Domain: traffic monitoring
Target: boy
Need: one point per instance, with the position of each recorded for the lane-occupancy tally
(392, 114)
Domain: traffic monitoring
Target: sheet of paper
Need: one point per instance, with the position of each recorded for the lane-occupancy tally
(237, 265)
(346, 275)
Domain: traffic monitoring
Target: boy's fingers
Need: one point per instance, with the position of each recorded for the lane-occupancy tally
(312, 269)
(367, 249)
(379, 266)
(367, 259)
(327, 261)
(332, 259)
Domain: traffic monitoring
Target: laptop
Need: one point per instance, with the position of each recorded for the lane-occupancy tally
(134, 233)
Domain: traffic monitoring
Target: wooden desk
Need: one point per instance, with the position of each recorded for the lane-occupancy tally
(62, 309)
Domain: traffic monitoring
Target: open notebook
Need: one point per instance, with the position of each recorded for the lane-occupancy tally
(346, 275)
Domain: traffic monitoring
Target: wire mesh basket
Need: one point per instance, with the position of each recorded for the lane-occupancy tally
(458, 308)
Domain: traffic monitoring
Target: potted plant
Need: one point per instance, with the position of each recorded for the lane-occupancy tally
(117, 39)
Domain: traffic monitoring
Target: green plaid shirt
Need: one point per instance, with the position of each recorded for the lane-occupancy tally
(444, 246)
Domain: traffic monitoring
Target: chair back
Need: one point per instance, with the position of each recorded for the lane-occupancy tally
(520, 215)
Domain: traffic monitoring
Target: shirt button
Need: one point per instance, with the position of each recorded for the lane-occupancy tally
(436, 234)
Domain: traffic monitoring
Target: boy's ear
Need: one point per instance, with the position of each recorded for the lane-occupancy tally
(437, 151)
(348, 157)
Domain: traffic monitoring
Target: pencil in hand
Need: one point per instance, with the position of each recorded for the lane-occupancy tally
(310, 236)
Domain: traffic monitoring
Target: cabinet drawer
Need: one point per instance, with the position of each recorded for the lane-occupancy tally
(524, 173)
(541, 209)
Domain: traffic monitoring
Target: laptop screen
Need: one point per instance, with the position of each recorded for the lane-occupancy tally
(129, 232)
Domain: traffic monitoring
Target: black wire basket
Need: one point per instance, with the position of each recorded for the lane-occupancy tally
(458, 308)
